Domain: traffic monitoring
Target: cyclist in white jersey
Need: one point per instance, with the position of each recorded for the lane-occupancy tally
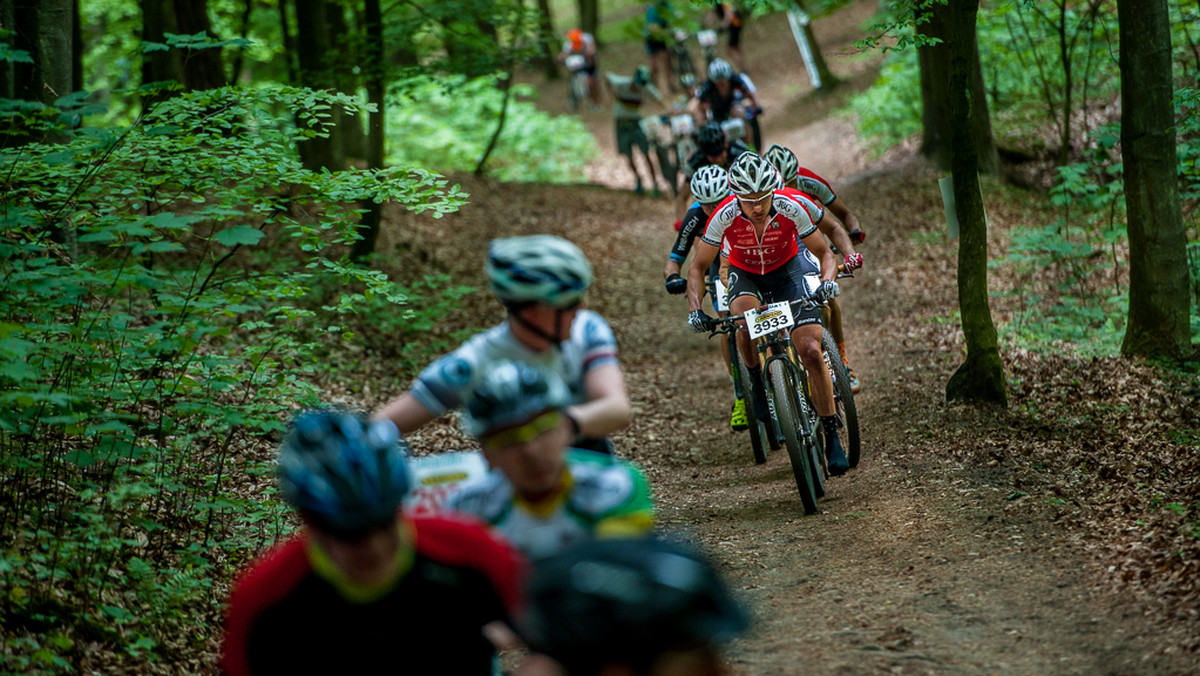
(541, 279)
(541, 495)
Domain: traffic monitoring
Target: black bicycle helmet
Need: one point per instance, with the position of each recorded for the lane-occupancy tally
(626, 601)
(710, 140)
(346, 473)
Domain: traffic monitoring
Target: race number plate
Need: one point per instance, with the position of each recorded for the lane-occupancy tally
(574, 62)
(772, 318)
(437, 477)
(707, 38)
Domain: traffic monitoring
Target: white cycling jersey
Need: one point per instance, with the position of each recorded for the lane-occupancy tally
(601, 488)
(446, 383)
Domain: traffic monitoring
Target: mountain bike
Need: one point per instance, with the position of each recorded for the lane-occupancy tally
(682, 66)
(577, 81)
(763, 436)
(661, 138)
(769, 326)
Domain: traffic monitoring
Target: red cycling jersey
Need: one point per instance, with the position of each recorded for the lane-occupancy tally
(814, 186)
(792, 218)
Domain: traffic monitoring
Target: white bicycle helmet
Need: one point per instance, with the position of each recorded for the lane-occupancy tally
(719, 70)
(784, 161)
(710, 184)
(537, 269)
(751, 174)
(510, 394)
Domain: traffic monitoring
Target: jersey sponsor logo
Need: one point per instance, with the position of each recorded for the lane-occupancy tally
(456, 371)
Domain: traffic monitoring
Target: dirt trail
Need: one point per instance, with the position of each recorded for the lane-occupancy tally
(917, 563)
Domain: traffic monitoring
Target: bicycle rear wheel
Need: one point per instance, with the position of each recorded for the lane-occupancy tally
(843, 398)
(787, 413)
(759, 443)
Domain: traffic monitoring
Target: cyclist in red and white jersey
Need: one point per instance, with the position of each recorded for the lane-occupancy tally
(362, 582)
(843, 233)
(761, 227)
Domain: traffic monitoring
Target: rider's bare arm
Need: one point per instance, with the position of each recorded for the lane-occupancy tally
(847, 217)
(408, 413)
(607, 408)
(836, 234)
(672, 268)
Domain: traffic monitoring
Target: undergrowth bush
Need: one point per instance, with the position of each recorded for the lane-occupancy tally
(159, 320)
(446, 124)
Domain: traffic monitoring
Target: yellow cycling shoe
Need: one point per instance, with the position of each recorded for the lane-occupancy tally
(737, 418)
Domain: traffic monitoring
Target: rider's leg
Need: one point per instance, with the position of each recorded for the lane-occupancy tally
(839, 337)
(758, 392)
(807, 339)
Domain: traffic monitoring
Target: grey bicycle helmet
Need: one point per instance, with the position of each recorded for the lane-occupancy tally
(710, 140)
(346, 473)
(710, 184)
(537, 269)
(784, 161)
(719, 70)
(750, 174)
(511, 393)
(626, 601)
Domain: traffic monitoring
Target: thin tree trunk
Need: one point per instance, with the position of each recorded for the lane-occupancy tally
(376, 85)
(159, 66)
(548, 41)
(980, 379)
(828, 81)
(202, 68)
(1159, 297)
(506, 88)
(312, 31)
(589, 18)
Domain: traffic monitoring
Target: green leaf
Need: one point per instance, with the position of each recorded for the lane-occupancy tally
(242, 234)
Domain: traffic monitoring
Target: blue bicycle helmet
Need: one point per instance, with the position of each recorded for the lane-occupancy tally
(511, 393)
(346, 473)
(626, 601)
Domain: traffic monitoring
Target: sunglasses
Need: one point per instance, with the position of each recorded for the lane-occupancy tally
(750, 202)
(523, 433)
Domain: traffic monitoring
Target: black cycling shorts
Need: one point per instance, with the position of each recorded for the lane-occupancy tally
(785, 282)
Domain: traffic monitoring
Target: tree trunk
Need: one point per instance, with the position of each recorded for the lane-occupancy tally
(314, 45)
(1158, 267)
(348, 130)
(589, 18)
(934, 65)
(158, 19)
(202, 68)
(828, 80)
(548, 41)
(980, 379)
(53, 56)
(376, 85)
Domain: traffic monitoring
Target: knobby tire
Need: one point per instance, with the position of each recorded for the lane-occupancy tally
(759, 442)
(843, 397)
(787, 413)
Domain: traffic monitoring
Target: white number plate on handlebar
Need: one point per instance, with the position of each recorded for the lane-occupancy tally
(772, 318)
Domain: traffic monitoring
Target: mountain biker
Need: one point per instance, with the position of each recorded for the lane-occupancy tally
(541, 495)
(629, 93)
(731, 20)
(711, 148)
(710, 187)
(583, 44)
(842, 233)
(361, 581)
(541, 280)
(656, 31)
(641, 607)
(762, 229)
(726, 94)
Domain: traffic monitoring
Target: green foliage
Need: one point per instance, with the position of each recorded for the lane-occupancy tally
(890, 111)
(157, 289)
(447, 124)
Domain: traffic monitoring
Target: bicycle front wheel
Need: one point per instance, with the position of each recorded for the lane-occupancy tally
(759, 443)
(843, 398)
(787, 414)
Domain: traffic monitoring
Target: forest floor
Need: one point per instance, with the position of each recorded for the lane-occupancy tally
(1035, 538)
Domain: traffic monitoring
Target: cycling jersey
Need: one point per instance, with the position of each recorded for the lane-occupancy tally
(285, 618)
(792, 218)
(601, 496)
(720, 106)
(690, 228)
(446, 383)
(699, 159)
(810, 183)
